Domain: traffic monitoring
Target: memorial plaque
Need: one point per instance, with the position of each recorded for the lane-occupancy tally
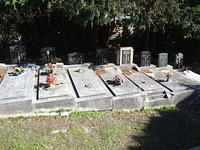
(119, 90)
(179, 60)
(75, 58)
(48, 55)
(18, 54)
(163, 60)
(103, 56)
(125, 56)
(145, 58)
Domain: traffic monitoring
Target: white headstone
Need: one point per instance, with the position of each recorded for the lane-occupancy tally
(125, 56)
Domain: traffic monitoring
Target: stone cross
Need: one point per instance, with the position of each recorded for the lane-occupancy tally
(163, 60)
(145, 58)
(75, 58)
(178, 61)
(125, 56)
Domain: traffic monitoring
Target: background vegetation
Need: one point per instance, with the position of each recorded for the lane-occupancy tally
(84, 25)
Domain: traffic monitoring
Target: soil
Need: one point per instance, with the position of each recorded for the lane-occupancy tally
(100, 71)
(146, 71)
(128, 72)
(2, 74)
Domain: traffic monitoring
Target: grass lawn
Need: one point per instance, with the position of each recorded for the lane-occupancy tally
(149, 129)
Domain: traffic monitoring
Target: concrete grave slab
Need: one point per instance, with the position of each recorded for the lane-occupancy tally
(92, 93)
(61, 95)
(184, 90)
(17, 92)
(177, 81)
(156, 93)
(145, 82)
(119, 90)
(128, 95)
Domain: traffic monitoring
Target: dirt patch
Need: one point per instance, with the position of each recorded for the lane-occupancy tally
(128, 72)
(2, 74)
(100, 71)
(146, 71)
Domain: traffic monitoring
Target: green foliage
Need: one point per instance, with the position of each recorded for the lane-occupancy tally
(191, 21)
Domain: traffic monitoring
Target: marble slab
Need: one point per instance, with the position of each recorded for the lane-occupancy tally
(64, 90)
(126, 88)
(145, 82)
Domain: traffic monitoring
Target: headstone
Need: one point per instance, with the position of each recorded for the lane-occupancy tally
(163, 60)
(145, 58)
(179, 60)
(48, 55)
(75, 58)
(18, 54)
(103, 56)
(125, 56)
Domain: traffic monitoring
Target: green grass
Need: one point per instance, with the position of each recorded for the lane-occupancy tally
(152, 129)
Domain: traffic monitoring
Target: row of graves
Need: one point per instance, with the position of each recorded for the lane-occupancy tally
(124, 86)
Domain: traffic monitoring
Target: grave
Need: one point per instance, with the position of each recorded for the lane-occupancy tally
(127, 95)
(163, 60)
(48, 55)
(18, 54)
(184, 89)
(156, 93)
(17, 92)
(145, 58)
(75, 58)
(125, 56)
(60, 95)
(178, 61)
(103, 56)
(92, 93)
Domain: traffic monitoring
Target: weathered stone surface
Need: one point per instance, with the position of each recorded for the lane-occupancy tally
(92, 93)
(177, 81)
(75, 58)
(129, 102)
(124, 89)
(60, 95)
(17, 88)
(86, 83)
(163, 60)
(145, 58)
(145, 82)
(125, 56)
(17, 92)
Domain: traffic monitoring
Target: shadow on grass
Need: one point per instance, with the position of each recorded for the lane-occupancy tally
(174, 129)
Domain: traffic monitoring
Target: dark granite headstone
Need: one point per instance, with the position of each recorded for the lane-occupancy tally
(75, 58)
(18, 54)
(103, 56)
(145, 58)
(163, 60)
(178, 61)
(48, 55)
